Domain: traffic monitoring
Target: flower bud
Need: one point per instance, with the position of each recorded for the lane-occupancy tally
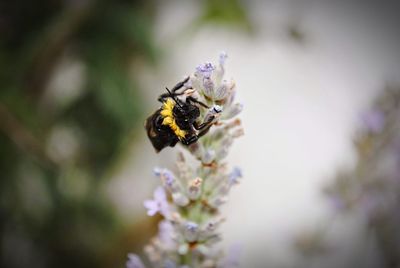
(218, 201)
(183, 249)
(235, 175)
(180, 199)
(209, 228)
(213, 239)
(223, 90)
(208, 157)
(205, 70)
(196, 149)
(222, 58)
(233, 111)
(213, 113)
(238, 133)
(231, 96)
(191, 231)
(208, 87)
(194, 190)
(174, 187)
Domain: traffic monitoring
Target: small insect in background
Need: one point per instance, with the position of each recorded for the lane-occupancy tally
(177, 119)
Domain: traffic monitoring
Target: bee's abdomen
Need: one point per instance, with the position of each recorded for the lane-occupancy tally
(160, 135)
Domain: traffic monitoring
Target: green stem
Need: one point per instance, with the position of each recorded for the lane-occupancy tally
(186, 259)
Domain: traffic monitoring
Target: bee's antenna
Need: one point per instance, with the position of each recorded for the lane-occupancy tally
(173, 97)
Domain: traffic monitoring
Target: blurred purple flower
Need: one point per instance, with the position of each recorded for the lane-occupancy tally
(374, 120)
(157, 171)
(337, 202)
(235, 175)
(134, 261)
(169, 177)
(158, 204)
(166, 175)
(232, 258)
(165, 233)
(191, 226)
(222, 57)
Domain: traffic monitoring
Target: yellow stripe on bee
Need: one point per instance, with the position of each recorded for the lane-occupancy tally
(169, 119)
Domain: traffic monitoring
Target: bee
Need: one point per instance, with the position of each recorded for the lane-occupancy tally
(177, 119)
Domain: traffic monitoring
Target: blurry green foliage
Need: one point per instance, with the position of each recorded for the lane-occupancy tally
(52, 212)
(226, 12)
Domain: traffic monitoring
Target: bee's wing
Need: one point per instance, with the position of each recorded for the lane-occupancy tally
(150, 127)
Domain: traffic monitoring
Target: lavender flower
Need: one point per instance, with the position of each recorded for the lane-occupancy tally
(166, 234)
(235, 175)
(232, 258)
(372, 188)
(191, 231)
(158, 204)
(205, 69)
(222, 58)
(134, 261)
(374, 120)
(190, 198)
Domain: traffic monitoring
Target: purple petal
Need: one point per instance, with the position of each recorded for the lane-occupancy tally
(191, 226)
(235, 175)
(222, 91)
(208, 85)
(151, 206)
(134, 261)
(157, 171)
(164, 209)
(222, 57)
(234, 111)
(233, 256)
(169, 177)
(159, 194)
(165, 233)
(374, 120)
(205, 69)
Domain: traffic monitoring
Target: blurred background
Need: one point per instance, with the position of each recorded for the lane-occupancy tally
(321, 154)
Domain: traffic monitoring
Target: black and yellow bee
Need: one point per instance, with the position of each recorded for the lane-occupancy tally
(177, 119)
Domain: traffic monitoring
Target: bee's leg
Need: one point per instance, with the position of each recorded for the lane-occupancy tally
(190, 140)
(192, 99)
(204, 131)
(208, 120)
(180, 84)
(203, 128)
(162, 97)
(204, 124)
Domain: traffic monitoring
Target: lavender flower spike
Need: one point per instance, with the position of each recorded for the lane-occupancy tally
(134, 261)
(189, 199)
